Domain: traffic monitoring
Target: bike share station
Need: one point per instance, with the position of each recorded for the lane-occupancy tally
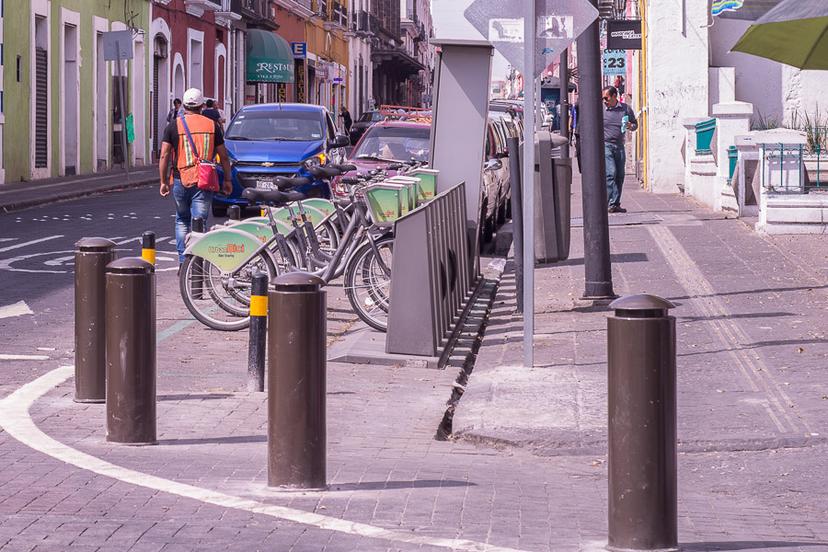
(435, 278)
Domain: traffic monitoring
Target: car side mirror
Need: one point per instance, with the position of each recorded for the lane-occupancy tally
(340, 141)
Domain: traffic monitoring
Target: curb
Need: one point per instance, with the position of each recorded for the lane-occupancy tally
(74, 194)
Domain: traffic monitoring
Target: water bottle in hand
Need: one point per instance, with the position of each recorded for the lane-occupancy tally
(625, 120)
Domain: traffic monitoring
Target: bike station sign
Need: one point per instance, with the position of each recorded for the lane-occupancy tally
(561, 23)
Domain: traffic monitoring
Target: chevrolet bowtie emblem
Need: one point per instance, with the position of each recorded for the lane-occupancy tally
(268, 164)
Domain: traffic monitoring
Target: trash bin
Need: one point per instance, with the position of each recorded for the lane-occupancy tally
(553, 185)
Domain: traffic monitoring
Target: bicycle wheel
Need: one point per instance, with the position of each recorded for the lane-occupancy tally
(219, 301)
(328, 237)
(368, 284)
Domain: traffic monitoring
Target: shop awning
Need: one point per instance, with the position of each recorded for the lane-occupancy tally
(269, 57)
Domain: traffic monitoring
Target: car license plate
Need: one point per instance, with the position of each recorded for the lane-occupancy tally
(266, 185)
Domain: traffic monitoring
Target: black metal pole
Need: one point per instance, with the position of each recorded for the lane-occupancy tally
(258, 333)
(91, 257)
(197, 279)
(234, 212)
(641, 355)
(515, 166)
(296, 364)
(564, 74)
(130, 352)
(597, 267)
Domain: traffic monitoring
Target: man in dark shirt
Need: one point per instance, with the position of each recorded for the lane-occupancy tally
(211, 111)
(618, 119)
(347, 121)
(191, 201)
(176, 109)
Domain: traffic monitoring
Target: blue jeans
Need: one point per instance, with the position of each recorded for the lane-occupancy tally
(616, 160)
(190, 203)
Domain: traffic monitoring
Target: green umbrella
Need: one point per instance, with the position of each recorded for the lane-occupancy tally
(795, 32)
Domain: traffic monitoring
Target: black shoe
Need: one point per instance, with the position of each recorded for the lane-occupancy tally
(619, 209)
(612, 209)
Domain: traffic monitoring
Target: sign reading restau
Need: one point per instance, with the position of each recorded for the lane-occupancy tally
(624, 34)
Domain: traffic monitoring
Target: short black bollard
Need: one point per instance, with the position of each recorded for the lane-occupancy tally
(148, 247)
(130, 352)
(91, 257)
(641, 343)
(234, 212)
(257, 340)
(197, 279)
(296, 445)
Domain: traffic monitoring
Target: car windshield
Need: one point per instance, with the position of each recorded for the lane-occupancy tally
(294, 126)
(371, 117)
(395, 144)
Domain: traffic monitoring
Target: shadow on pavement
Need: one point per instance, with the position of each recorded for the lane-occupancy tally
(743, 545)
(194, 397)
(416, 484)
(215, 440)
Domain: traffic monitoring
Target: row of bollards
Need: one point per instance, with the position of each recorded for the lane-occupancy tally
(115, 355)
(115, 352)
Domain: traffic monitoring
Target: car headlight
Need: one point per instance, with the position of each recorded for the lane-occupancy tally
(315, 161)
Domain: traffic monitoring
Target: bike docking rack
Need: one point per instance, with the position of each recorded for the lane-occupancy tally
(432, 284)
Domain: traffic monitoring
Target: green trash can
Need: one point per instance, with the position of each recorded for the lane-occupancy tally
(704, 136)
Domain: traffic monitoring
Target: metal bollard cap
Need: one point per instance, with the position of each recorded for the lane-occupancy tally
(130, 265)
(642, 305)
(94, 244)
(298, 281)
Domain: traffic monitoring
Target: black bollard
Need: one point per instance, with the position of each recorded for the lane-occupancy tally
(91, 257)
(258, 333)
(641, 347)
(130, 352)
(148, 247)
(197, 279)
(296, 382)
(234, 212)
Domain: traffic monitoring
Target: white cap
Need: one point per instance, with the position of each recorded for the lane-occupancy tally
(193, 98)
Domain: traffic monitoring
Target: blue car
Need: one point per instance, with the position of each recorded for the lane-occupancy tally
(269, 140)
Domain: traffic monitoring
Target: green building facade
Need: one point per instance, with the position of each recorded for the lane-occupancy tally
(60, 95)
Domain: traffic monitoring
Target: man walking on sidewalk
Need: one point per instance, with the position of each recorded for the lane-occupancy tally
(618, 119)
(190, 201)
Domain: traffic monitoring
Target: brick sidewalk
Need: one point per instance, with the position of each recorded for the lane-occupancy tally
(744, 482)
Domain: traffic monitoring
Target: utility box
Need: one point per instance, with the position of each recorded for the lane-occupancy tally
(553, 192)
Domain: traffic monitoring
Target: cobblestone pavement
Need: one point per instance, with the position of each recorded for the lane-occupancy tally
(392, 483)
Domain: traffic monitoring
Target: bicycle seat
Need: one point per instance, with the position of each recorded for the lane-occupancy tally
(272, 197)
(324, 172)
(286, 183)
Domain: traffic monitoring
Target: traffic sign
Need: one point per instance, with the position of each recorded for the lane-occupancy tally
(561, 23)
(300, 49)
(614, 62)
(117, 45)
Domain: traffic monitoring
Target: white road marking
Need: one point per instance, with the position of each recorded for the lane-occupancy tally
(13, 239)
(23, 357)
(15, 420)
(24, 244)
(17, 309)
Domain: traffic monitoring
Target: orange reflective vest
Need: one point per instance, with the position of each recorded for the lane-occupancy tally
(203, 131)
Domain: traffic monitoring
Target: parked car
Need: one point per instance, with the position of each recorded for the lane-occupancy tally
(364, 123)
(268, 140)
(385, 143)
(496, 193)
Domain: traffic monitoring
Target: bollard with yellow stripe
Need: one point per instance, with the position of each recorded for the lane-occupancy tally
(258, 333)
(148, 247)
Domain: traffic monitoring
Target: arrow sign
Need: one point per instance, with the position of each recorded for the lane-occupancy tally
(561, 23)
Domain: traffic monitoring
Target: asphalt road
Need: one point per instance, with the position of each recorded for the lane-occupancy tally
(37, 263)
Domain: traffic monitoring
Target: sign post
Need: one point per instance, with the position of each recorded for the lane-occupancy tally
(117, 46)
(527, 44)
